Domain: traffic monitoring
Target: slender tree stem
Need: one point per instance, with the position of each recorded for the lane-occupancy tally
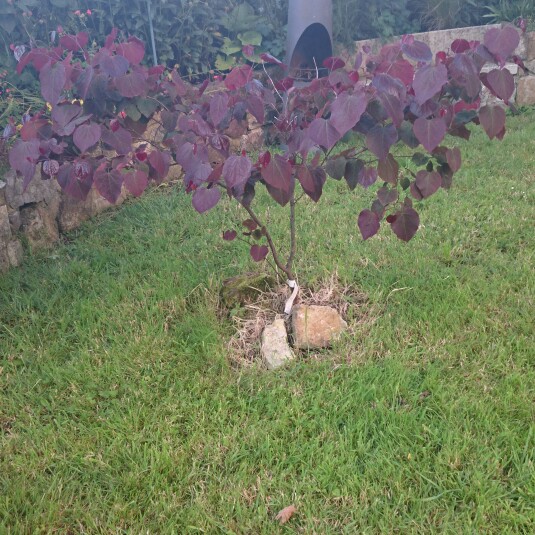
(284, 269)
(293, 241)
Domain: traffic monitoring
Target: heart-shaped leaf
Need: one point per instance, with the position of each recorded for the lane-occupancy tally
(380, 138)
(502, 42)
(324, 133)
(405, 223)
(502, 83)
(108, 183)
(347, 109)
(205, 199)
(428, 182)
(388, 169)
(430, 132)
(368, 224)
(219, 107)
(428, 81)
(453, 157)
(136, 182)
(237, 170)
(53, 79)
(86, 136)
(492, 119)
(259, 252)
(278, 173)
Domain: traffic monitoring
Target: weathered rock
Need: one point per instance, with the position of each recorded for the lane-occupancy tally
(4, 258)
(530, 45)
(14, 219)
(2, 193)
(15, 253)
(245, 288)
(316, 326)
(39, 223)
(5, 227)
(526, 91)
(38, 190)
(74, 212)
(276, 351)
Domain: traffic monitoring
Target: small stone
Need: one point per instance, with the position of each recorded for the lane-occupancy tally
(316, 326)
(15, 253)
(276, 351)
(526, 91)
(5, 227)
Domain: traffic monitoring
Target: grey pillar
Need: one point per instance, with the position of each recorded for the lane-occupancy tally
(309, 35)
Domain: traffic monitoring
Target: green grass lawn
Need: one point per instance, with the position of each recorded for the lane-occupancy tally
(119, 412)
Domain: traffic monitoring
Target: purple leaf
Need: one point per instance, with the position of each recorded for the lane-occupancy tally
(368, 224)
(219, 107)
(230, 235)
(428, 81)
(492, 119)
(159, 161)
(388, 169)
(417, 51)
(255, 105)
(502, 83)
(430, 132)
(312, 180)
(387, 196)
(76, 185)
(237, 170)
(133, 50)
(86, 135)
(278, 173)
(352, 172)
(336, 167)
(324, 133)
(405, 223)
(53, 79)
(51, 167)
(239, 77)
(268, 58)
(120, 140)
(367, 177)
(23, 157)
(64, 116)
(380, 138)
(132, 84)
(205, 199)
(459, 45)
(74, 43)
(502, 42)
(114, 66)
(453, 157)
(393, 107)
(428, 182)
(83, 82)
(259, 252)
(108, 183)
(347, 110)
(136, 182)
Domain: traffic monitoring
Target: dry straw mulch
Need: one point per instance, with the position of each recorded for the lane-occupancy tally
(351, 303)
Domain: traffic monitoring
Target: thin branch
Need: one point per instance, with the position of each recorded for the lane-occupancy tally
(293, 241)
(269, 239)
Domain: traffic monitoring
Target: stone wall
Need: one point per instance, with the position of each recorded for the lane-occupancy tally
(38, 214)
(442, 39)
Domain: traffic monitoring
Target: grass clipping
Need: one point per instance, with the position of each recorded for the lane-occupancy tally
(351, 303)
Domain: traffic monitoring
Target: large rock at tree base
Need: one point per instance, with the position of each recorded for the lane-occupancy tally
(276, 351)
(245, 288)
(315, 326)
(526, 91)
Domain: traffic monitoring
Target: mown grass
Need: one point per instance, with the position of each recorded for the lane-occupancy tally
(119, 412)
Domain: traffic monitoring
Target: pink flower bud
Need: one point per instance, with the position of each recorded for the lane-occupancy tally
(88, 12)
(77, 12)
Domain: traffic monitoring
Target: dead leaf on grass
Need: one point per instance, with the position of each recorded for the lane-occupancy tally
(286, 514)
